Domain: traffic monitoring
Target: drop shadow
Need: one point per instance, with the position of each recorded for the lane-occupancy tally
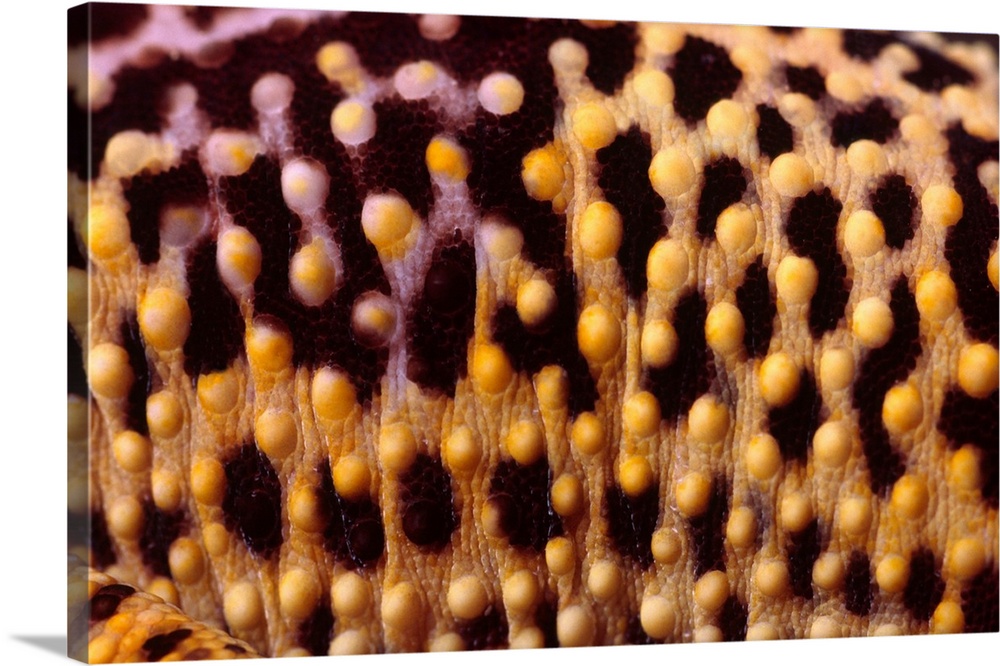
(56, 644)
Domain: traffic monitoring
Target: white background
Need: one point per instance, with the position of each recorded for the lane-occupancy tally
(32, 318)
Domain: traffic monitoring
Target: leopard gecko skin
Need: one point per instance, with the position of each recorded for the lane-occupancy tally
(420, 333)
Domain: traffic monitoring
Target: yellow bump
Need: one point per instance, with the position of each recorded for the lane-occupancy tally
(298, 594)
(575, 626)
(208, 481)
(525, 442)
(779, 379)
(771, 578)
(216, 538)
(967, 558)
(552, 387)
(272, 93)
(658, 616)
(872, 322)
(751, 60)
(187, 562)
(598, 333)
(401, 607)
(825, 627)
(666, 546)
(182, 225)
(594, 126)
(353, 122)
(941, 205)
(604, 580)
(351, 477)
(658, 343)
(568, 57)
(671, 173)
(726, 119)
(635, 475)
(641, 414)
(132, 451)
(796, 279)
(855, 515)
(242, 607)
(762, 631)
(667, 265)
(438, 27)
(305, 511)
(230, 153)
(902, 408)
(125, 518)
(963, 470)
(936, 295)
(887, 630)
(844, 86)
(166, 490)
(397, 447)
(741, 528)
(600, 230)
(467, 597)
(373, 319)
(338, 62)
(866, 158)
(333, 395)
(218, 392)
(763, 457)
(268, 348)
(502, 241)
(109, 370)
(351, 642)
(491, 368)
(587, 434)
(796, 512)
(993, 270)
(832, 444)
(447, 159)
(238, 255)
(164, 588)
(520, 590)
(836, 368)
(892, 573)
(529, 638)
(351, 595)
(724, 328)
(708, 633)
(312, 274)
(567, 495)
(448, 642)
(131, 152)
(500, 93)
(462, 451)
(948, 618)
(654, 87)
(977, 370)
(798, 109)
(387, 219)
(736, 229)
(164, 318)
(708, 420)
(417, 80)
(711, 590)
(917, 128)
(864, 234)
(542, 173)
(692, 494)
(663, 38)
(102, 649)
(560, 556)
(791, 175)
(536, 300)
(304, 184)
(828, 571)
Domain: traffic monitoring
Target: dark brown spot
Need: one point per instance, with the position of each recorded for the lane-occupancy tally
(521, 495)
(631, 522)
(806, 80)
(774, 134)
(703, 74)
(709, 529)
(158, 647)
(252, 501)
(725, 183)
(925, 586)
(159, 530)
(352, 529)
(316, 631)
(803, 550)
(793, 425)
(486, 632)
(105, 603)
(874, 122)
(858, 590)
(756, 303)
(894, 203)
(429, 516)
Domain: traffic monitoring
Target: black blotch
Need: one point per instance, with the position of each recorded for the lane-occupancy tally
(756, 304)
(554, 342)
(75, 257)
(970, 240)
(866, 44)
(874, 122)
(879, 371)
(725, 183)
(774, 134)
(545, 619)
(812, 232)
(158, 647)
(894, 203)
(858, 591)
(217, 326)
(612, 53)
(78, 154)
(709, 529)
(486, 632)
(105, 603)
(782, 29)
(803, 550)
(981, 602)
(102, 552)
(936, 72)
(76, 380)
(142, 383)
(805, 80)
(631, 522)
(925, 586)
(352, 529)
(252, 501)
(968, 420)
(702, 74)
(636, 635)
(147, 194)
(316, 631)
(428, 509)
(793, 425)
(622, 176)
(159, 530)
(95, 22)
(203, 17)
(678, 385)
(440, 321)
(521, 494)
(733, 619)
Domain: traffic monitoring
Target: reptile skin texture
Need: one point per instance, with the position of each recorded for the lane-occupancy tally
(400, 333)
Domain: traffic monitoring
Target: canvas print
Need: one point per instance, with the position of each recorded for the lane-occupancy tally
(396, 333)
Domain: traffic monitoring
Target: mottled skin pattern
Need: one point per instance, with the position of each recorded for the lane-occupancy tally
(529, 333)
